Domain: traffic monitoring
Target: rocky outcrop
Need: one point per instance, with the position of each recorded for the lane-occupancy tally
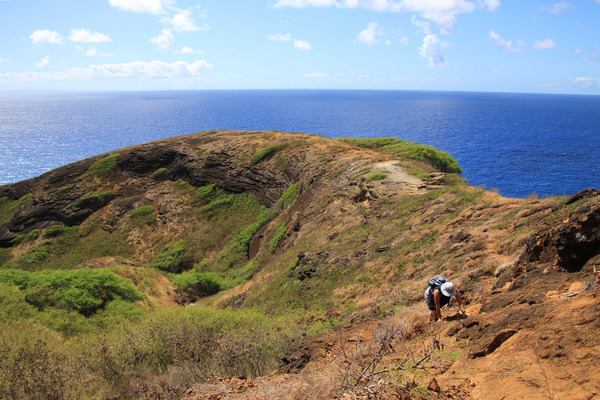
(570, 241)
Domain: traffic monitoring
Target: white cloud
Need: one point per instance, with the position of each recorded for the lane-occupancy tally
(164, 40)
(370, 36)
(91, 51)
(423, 26)
(135, 69)
(404, 40)
(594, 55)
(442, 12)
(44, 62)
(84, 35)
(299, 44)
(413, 79)
(183, 21)
(544, 44)
(430, 50)
(302, 45)
(188, 50)
(141, 6)
(315, 3)
(278, 37)
(490, 4)
(317, 75)
(558, 8)
(504, 44)
(587, 81)
(46, 36)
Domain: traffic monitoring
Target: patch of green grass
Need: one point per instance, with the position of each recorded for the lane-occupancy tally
(104, 167)
(15, 205)
(36, 253)
(278, 236)
(85, 290)
(235, 255)
(127, 203)
(95, 200)
(198, 284)
(377, 176)
(439, 159)
(288, 198)
(142, 215)
(57, 230)
(72, 249)
(172, 259)
(160, 174)
(265, 153)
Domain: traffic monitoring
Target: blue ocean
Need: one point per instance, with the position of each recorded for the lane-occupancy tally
(518, 144)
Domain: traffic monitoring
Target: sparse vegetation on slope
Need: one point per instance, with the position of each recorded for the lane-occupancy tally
(273, 237)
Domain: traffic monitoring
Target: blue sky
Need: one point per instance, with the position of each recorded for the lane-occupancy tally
(474, 45)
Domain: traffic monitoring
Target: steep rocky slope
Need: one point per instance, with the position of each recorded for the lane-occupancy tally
(348, 247)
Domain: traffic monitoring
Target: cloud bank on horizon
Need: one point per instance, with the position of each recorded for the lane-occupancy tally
(477, 45)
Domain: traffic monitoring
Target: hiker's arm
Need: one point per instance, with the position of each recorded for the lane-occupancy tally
(437, 299)
(460, 302)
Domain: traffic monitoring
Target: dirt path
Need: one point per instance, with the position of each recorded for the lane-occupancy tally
(398, 179)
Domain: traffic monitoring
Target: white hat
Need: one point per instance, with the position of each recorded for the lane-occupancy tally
(448, 289)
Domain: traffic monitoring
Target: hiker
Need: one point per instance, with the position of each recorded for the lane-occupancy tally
(438, 294)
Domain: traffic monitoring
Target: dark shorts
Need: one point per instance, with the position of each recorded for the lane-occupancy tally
(431, 301)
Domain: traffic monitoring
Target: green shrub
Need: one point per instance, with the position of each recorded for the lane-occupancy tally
(439, 159)
(127, 203)
(13, 305)
(288, 198)
(278, 236)
(82, 290)
(95, 200)
(160, 174)
(265, 154)
(172, 259)
(241, 241)
(377, 176)
(57, 230)
(104, 167)
(35, 254)
(209, 193)
(142, 215)
(15, 205)
(198, 284)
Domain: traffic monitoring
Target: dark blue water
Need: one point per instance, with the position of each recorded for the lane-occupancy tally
(518, 143)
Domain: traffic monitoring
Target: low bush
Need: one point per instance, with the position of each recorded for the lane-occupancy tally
(278, 236)
(172, 259)
(198, 284)
(265, 153)
(104, 167)
(95, 200)
(160, 174)
(288, 198)
(82, 290)
(57, 230)
(142, 215)
(377, 176)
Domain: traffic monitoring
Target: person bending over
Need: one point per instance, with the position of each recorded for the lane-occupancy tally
(439, 296)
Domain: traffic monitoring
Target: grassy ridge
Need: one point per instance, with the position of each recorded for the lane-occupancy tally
(401, 148)
(96, 330)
